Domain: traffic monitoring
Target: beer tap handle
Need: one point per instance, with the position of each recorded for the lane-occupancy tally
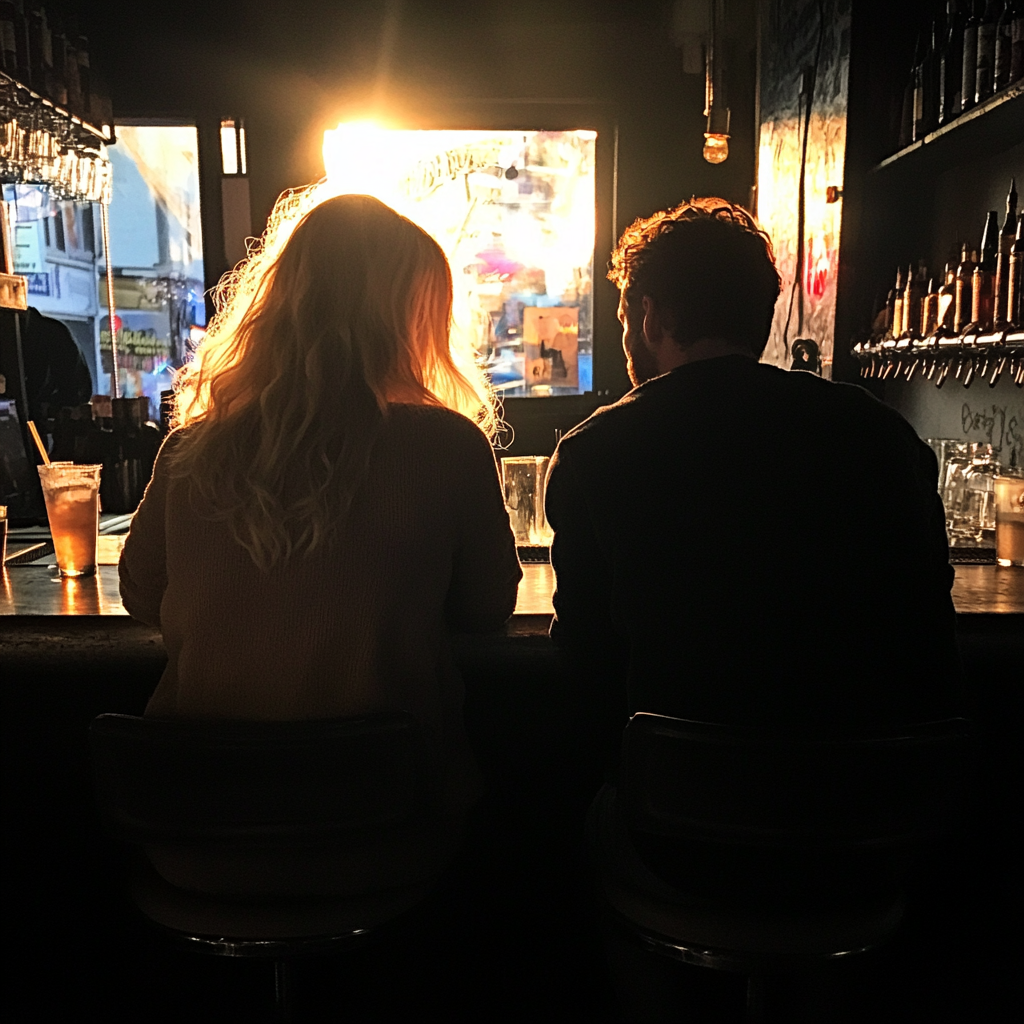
(969, 373)
(912, 368)
(943, 374)
(997, 372)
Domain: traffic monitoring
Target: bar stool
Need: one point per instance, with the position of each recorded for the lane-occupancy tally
(753, 853)
(273, 840)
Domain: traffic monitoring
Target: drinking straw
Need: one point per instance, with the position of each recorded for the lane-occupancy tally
(39, 442)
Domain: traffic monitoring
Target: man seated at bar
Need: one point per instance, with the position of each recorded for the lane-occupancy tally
(327, 511)
(737, 543)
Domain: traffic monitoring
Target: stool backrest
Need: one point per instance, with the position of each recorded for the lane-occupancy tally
(157, 779)
(731, 785)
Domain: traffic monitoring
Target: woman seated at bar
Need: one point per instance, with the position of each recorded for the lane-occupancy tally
(327, 509)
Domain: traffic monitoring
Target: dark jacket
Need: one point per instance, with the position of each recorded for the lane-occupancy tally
(742, 544)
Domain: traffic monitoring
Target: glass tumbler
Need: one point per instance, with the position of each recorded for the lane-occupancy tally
(524, 481)
(1009, 495)
(973, 505)
(72, 496)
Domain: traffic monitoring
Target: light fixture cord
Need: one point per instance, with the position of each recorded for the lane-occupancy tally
(801, 207)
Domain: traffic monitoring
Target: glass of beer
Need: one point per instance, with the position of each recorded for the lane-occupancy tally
(524, 480)
(72, 496)
(1009, 491)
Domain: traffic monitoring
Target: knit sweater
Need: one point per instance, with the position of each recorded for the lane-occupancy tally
(357, 627)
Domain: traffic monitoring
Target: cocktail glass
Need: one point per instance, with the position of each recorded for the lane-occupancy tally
(72, 496)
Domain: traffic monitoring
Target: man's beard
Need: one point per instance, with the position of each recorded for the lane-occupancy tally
(641, 366)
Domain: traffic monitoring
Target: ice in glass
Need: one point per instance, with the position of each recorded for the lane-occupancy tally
(72, 496)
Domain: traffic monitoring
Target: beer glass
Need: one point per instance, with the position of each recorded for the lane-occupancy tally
(524, 481)
(72, 496)
(1009, 492)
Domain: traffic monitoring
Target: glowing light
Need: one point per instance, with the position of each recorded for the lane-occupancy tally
(228, 148)
(513, 210)
(716, 148)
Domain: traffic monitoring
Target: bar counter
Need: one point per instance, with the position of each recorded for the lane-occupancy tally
(34, 591)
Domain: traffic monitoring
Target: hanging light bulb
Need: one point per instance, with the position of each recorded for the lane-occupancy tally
(716, 138)
(716, 147)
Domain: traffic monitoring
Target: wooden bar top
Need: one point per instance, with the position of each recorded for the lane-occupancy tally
(34, 590)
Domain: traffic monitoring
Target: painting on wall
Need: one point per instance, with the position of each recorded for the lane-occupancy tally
(803, 56)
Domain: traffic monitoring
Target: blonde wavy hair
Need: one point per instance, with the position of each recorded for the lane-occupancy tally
(343, 309)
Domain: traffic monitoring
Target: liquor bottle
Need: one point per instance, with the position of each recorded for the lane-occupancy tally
(946, 297)
(71, 74)
(983, 87)
(970, 58)
(8, 38)
(913, 298)
(897, 308)
(1017, 41)
(930, 310)
(962, 289)
(1014, 307)
(950, 67)
(984, 272)
(887, 312)
(925, 68)
(84, 78)
(21, 42)
(1002, 275)
(59, 81)
(37, 30)
(906, 130)
(1004, 48)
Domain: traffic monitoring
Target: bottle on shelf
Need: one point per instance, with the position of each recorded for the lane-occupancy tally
(1002, 272)
(984, 273)
(84, 78)
(8, 38)
(71, 73)
(906, 127)
(969, 63)
(930, 310)
(1014, 306)
(1017, 42)
(38, 45)
(1004, 48)
(945, 300)
(59, 81)
(925, 93)
(897, 310)
(913, 298)
(983, 83)
(962, 288)
(951, 63)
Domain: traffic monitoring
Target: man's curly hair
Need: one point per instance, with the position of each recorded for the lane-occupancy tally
(707, 267)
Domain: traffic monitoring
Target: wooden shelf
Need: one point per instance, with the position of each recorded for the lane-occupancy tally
(992, 126)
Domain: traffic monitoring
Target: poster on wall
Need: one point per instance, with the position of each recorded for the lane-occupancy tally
(551, 338)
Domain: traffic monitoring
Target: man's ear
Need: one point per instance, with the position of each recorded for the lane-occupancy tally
(653, 328)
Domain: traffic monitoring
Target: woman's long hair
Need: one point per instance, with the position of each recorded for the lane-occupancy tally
(343, 309)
